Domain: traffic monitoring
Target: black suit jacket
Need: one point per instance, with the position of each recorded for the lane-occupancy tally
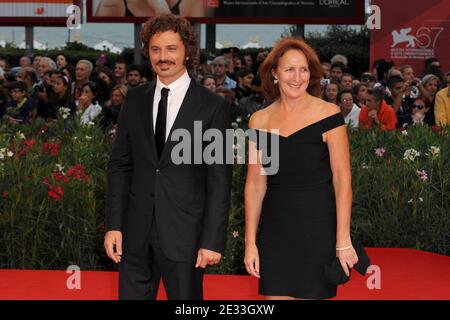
(191, 201)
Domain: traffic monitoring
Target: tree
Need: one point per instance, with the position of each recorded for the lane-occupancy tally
(341, 39)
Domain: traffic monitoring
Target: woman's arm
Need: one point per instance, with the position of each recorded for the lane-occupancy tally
(110, 8)
(255, 189)
(192, 8)
(338, 146)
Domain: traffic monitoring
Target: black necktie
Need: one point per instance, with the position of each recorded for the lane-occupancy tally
(160, 128)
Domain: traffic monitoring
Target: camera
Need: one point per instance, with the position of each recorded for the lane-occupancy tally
(324, 82)
(40, 87)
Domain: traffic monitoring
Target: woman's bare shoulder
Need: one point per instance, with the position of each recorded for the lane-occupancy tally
(260, 118)
(325, 109)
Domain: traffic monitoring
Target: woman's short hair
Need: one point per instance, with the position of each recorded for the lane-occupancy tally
(428, 78)
(123, 89)
(270, 63)
(206, 77)
(177, 24)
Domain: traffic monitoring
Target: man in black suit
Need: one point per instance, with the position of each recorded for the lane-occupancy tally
(171, 217)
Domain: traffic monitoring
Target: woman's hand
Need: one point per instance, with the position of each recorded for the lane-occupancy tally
(251, 260)
(83, 102)
(348, 258)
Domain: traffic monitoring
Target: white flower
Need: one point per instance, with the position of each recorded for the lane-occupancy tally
(365, 166)
(64, 112)
(5, 152)
(411, 155)
(20, 135)
(238, 119)
(59, 167)
(421, 199)
(88, 138)
(404, 132)
(433, 151)
(89, 124)
(235, 125)
(410, 201)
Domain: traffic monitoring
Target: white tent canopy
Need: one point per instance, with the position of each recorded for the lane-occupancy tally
(2, 43)
(219, 45)
(251, 44)
(105, 45)
(36, 45)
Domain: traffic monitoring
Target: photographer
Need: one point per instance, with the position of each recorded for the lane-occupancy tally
(44, 91)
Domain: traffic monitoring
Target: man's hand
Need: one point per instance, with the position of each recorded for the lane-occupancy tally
(207, 257)
(114, 238)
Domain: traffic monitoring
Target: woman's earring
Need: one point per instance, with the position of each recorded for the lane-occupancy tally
(275, 81)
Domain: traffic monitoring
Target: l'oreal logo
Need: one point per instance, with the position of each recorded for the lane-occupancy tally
(334, 3)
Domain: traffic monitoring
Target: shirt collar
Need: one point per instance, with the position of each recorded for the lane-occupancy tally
(178, 84)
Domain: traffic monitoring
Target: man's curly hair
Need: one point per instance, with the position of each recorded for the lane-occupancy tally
(176, 24)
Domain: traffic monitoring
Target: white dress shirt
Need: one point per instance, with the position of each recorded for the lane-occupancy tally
(178, 90)
(353, 117)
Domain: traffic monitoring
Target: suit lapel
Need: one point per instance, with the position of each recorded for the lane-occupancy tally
(185, 117)
(147, 118)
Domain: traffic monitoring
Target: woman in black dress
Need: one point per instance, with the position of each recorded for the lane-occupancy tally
(305, 207)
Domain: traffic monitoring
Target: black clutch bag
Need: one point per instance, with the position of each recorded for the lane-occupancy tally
(335, 274)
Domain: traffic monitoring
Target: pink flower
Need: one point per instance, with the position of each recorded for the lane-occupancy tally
(423, 175)
(380, 152)
(5, 194)
(235, 234)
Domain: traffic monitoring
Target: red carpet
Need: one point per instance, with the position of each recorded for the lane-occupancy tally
(405, 274)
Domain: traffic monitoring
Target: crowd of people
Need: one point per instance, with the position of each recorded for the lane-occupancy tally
(388, 96)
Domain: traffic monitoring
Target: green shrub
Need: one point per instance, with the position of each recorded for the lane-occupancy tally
(396, 202)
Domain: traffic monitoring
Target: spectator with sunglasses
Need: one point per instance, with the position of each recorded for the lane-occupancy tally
(88, 104)
(419, 114)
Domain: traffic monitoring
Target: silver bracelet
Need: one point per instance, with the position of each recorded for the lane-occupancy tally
(342, 249)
